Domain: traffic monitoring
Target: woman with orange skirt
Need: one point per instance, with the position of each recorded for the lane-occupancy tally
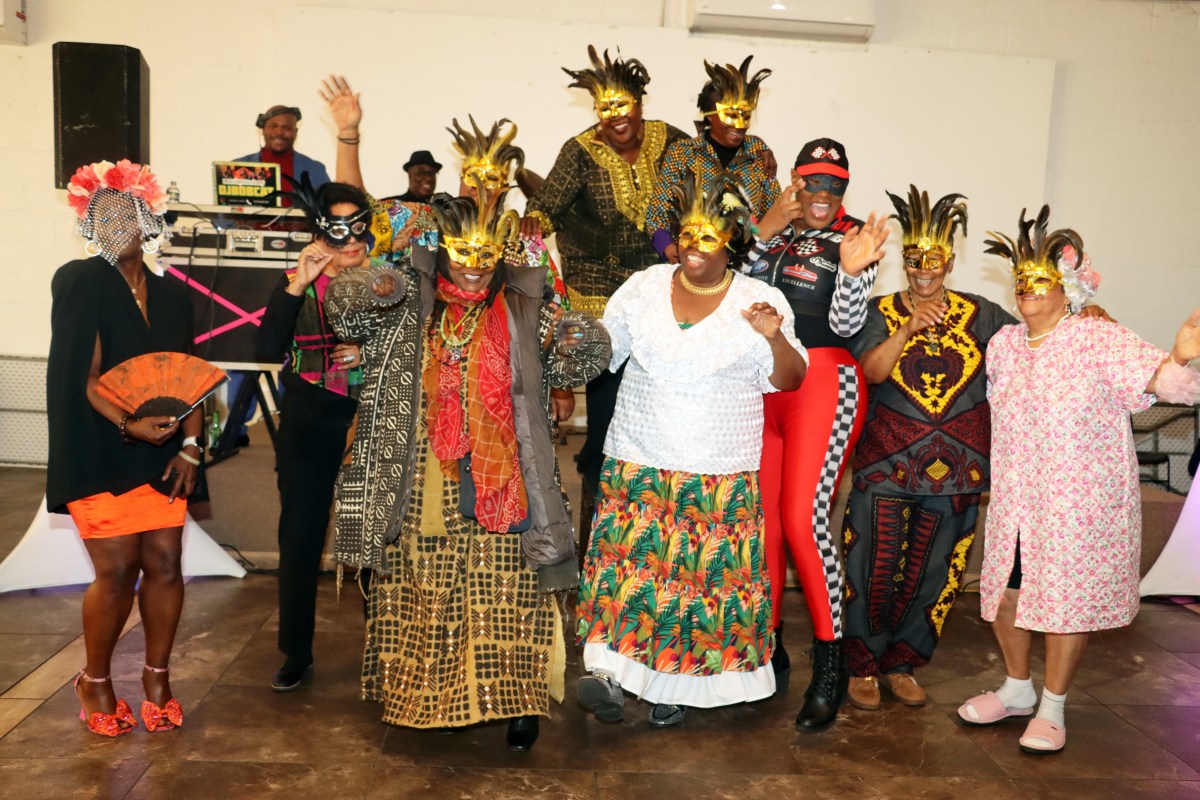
(124, 480)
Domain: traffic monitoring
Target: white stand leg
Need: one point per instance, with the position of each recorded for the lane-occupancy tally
(52, 554)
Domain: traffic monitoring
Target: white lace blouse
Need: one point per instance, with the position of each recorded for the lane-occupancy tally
(690, 400)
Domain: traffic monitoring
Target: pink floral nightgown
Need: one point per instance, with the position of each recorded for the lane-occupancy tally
(1064, 474)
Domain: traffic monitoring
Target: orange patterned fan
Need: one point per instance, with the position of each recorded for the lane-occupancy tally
(160, 384)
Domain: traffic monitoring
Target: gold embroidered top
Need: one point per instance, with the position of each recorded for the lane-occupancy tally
(597, 204)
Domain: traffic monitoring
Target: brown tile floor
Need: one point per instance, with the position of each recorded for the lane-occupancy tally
(1134, 719)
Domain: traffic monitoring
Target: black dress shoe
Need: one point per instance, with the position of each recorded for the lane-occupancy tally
(522, 733)
(288, 677)
(243, 440)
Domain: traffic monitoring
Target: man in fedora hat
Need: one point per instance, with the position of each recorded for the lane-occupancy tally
(422, 177)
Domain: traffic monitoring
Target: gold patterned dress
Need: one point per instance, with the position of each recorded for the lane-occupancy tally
(463, 624)
(457, 632)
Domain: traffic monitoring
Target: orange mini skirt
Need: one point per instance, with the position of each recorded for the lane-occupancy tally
(103, 516)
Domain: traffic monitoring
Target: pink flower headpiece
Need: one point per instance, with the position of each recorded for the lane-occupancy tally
(1080, 281)
(124, 176)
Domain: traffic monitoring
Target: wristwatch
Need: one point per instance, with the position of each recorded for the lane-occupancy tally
(191, 440)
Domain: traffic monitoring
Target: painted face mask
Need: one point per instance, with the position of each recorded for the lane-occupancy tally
(1036, 278)
(613, 104)
(702, 235)
(736, 114)
(473, 252)
(926, 256)
(815, 184)
(337, 231)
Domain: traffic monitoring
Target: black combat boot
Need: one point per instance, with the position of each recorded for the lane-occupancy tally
(828, 687)
(781, 663)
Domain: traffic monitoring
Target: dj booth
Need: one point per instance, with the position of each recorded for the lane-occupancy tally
(231, 258)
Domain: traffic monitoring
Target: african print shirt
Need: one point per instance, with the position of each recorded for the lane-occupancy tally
(928, 425)
(696, 153)
(596, 202)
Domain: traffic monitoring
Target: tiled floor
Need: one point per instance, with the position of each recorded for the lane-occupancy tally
(1133, 719)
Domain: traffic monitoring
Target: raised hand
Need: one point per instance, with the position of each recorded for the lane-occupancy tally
(764, 319)
(313, 260)
(343, 104)
(861, 247)
(927, 314)
(1187, 340)
(785, 209)
(531, 228)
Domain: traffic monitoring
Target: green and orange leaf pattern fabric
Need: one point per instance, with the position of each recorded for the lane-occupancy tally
(674, 576)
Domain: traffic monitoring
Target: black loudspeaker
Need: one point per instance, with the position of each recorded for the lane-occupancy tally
(101, 106)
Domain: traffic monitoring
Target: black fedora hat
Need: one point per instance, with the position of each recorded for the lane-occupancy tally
(421, 158)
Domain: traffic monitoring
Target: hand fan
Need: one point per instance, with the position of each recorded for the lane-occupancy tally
(160, 384)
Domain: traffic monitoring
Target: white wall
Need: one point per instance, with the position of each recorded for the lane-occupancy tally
(1112, 148)
(1124, 162)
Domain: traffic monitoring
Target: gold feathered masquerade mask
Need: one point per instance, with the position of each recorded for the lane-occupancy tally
(929, 232)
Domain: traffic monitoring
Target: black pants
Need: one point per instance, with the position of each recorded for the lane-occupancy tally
(601, 403)
(312, 441)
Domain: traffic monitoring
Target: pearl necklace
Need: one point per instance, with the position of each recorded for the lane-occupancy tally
(706, 291)
(1031, 339)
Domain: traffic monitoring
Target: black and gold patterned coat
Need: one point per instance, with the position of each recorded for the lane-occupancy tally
(374, 485)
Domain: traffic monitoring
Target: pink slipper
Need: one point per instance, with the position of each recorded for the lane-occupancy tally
(988, 709)
(1042, 736)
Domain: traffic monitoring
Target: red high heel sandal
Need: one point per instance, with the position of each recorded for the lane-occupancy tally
(118, 723)
(167, 718)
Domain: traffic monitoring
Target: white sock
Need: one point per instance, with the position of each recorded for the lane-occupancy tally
(1017, 693)
(1051, 707)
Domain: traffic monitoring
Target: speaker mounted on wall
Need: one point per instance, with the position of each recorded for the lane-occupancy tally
(101, 106)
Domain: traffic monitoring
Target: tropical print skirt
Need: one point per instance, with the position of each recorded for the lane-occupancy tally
(674, 601)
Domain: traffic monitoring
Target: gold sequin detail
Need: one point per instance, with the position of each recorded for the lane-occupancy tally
(633, 184)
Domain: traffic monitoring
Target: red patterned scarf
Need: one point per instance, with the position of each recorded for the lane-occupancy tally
(469, 392)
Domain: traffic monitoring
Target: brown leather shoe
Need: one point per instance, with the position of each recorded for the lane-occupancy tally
(906, 689)
(864, 693)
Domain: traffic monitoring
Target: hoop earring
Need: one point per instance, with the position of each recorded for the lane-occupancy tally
(93, 248)
(150, 246)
